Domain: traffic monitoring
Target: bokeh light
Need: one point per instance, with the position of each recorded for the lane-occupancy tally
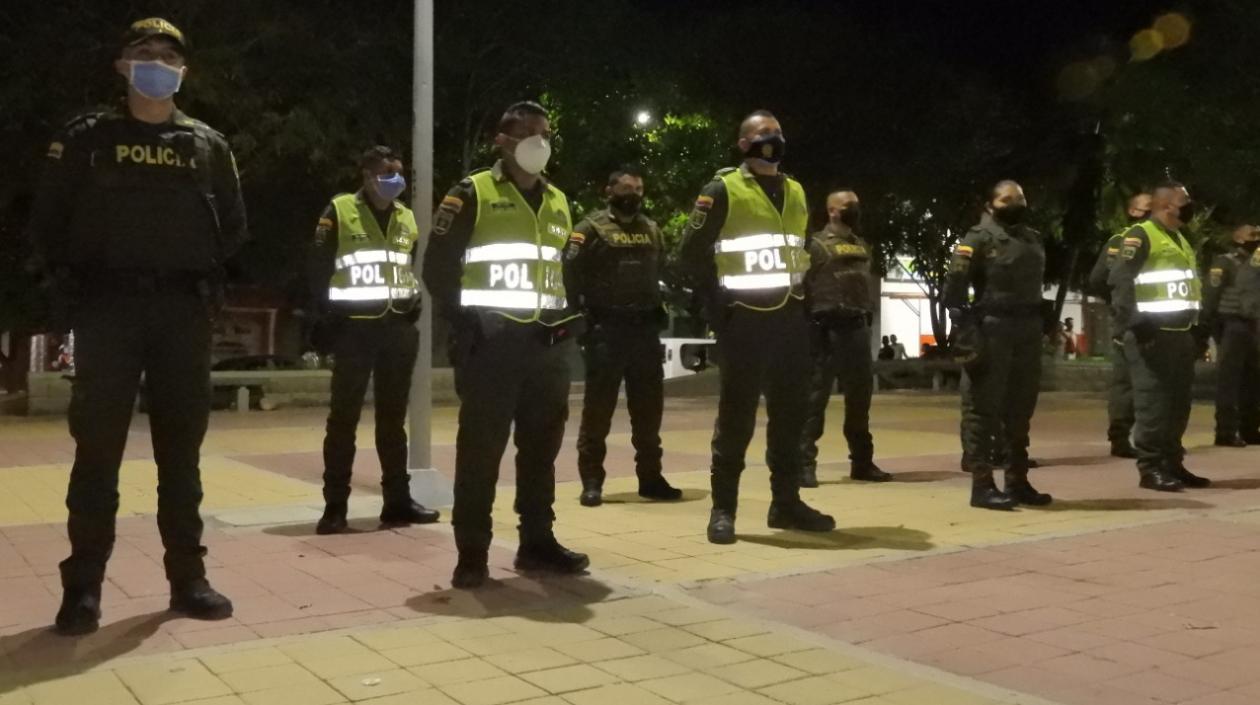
(1146, 44)
(1174, 29)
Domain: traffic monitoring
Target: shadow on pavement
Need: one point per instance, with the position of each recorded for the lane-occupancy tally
(42, 655)
(689, 495)
(1122, 505)
(1079, 462)
(364, 525)
(849, 538)
(545, 598)
(1240, 483)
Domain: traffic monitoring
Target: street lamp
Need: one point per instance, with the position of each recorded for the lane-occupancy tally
(643, 118)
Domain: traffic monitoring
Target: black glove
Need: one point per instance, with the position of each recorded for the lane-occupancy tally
(465, 335)
(1202, 334)
(324, 333)
(968, 341)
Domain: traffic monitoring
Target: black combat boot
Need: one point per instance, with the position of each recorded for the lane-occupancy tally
(658, 488)
(539, 551)
(1019, 489)
(1189, 479)
(196, 599)
(407, 512)
(80, 611)
(592, 493)
(472, 570)
(1229, 440)
(721, 526)
(1160, 480)
(986, 495)
(798, 516)
(868, 472)
(333, 521)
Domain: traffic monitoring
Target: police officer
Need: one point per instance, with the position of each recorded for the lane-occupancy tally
(744, 254)
(363, 284)
(840, 296)
(612, 272)
(1156, 298)
(494, 269)
(1120, 392)
(1226, 314)
(999, 338)
(138, 208)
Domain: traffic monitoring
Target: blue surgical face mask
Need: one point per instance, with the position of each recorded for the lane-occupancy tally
(390, 186)
(155, 80)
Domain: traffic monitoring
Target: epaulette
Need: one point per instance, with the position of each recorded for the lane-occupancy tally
(82, 123)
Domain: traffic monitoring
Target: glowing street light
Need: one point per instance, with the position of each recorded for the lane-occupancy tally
(642, 118)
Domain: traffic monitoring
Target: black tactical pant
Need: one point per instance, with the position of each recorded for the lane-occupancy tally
(841, 350)
(612, 352)
(511, 375)
(999, 392)
(166, 337)
(761, 353)
(1120, 396)
(1163, 377)
(383, 349)
(1238, 379)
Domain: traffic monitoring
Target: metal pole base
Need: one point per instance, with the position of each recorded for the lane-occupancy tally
(431, 488)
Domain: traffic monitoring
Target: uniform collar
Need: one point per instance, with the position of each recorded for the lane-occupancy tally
(612, 216)
(841, 230)
(747, 172)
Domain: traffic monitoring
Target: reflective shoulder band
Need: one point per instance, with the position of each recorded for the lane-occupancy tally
(510, 300)
(359, 293)
(511, 252)
(748, 282)
(1172, 306)
(1165, 276)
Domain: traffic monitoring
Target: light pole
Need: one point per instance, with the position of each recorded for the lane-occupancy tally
(428, 486)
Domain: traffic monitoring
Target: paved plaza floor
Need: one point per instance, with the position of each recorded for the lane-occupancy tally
(1111, 596)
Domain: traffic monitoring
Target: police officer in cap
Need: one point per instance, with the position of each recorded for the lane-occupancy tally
(1120, 391)
(1156, 296)
(362, 262)
(612, 271)
(494, 268)
(744, 254)
(1226, 314)
(137, 210)
(840, 295)
(999, 340)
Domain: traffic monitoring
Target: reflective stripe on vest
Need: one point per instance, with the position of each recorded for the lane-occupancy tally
(373, 270)
(513, 263)
(760, 253)
(1168, 285)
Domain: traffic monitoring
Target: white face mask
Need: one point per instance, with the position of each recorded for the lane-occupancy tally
(532, 154)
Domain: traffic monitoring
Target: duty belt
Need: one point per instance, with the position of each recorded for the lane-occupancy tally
(624, 316)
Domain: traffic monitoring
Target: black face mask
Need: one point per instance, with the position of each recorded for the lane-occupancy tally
(767, 148)
(1011, 215)
(851, 217)
(1139, 218)
(1250, 247)
(626, 203)
(1186, 213)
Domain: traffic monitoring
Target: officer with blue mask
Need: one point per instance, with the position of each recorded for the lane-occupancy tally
(138, 208)
(367, 301)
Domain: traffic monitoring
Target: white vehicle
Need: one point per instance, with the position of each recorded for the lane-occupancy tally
(686, 356)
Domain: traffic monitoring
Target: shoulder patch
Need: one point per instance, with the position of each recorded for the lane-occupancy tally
(55, 150)
(700, 213)
(1133, 241)
(454, 204)
(1216, 276)
(964, 250)
(1255, 258)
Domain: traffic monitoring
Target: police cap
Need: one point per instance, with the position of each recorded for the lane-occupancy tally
(142, 30)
